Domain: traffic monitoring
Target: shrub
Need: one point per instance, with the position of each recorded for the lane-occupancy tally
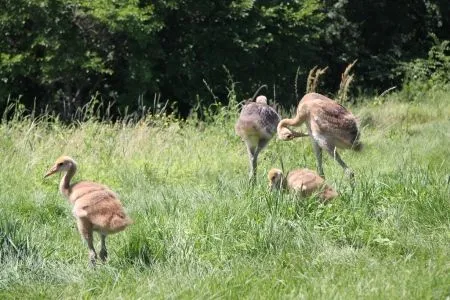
(424, 74)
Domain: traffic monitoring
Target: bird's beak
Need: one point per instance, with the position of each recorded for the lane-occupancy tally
(285, 134)
(52, 171)
(298, 134)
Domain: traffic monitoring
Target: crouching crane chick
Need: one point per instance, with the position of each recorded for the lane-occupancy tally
(95, 206)
(303, 181)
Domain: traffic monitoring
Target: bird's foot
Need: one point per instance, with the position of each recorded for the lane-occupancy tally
(92, 257)
(103, 255)
(350, 174)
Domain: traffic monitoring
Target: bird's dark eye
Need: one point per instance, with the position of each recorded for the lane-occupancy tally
(60, 164)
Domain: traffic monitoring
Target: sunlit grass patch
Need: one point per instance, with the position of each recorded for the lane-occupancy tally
(201, 231)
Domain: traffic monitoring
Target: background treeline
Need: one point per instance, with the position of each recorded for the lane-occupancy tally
(59, 54)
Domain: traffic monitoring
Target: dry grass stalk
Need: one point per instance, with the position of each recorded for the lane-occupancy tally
(310, 79)
(296, 82)
(346, 79)
(313, 79)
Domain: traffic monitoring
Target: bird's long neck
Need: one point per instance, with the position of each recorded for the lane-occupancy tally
(290, 122)
(64, 185)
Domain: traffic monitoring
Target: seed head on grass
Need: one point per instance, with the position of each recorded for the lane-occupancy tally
(313, 79)
(346, 79)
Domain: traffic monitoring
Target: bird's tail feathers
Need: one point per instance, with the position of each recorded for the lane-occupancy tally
(119, 223)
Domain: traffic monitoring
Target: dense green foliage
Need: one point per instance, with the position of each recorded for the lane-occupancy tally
(59, 54)
(201, 232)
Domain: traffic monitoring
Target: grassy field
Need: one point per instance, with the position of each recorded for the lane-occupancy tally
(201, 232)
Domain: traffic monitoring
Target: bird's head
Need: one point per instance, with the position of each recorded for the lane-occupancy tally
(63, 163)
(261, 99)
(275, 177)
(329, 194)
(285, 134)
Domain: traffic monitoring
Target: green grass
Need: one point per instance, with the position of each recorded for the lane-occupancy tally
(201, 232)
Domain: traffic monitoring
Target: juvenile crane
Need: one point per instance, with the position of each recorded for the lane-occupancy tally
(330, 126)
(256, 125)
(95, 206)
(303, 181)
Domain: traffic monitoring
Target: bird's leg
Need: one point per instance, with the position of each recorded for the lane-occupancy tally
(254, 166)
(103, 252)
(253, 158)
(262, 144)
(86, 232)
(318, 153)
(333, 152)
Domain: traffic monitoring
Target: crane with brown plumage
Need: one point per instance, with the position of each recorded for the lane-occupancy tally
(256, 125)
(329, 124)
(95, 206)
